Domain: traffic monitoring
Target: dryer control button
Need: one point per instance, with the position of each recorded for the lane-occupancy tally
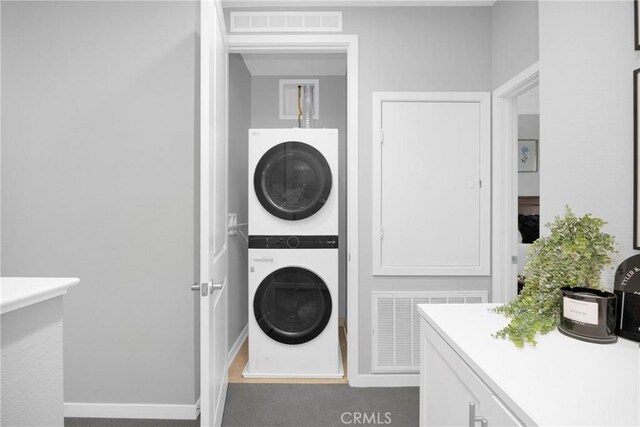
(293, 242)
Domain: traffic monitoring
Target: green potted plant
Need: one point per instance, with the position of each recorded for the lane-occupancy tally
(574, 254)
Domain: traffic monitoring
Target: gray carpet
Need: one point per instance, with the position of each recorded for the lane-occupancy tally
(297, 405)
(321, 405)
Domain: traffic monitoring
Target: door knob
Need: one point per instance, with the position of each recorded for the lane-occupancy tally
(207, 288)
(215, 286)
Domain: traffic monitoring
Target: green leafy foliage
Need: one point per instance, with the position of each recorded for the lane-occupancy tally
(574, 254)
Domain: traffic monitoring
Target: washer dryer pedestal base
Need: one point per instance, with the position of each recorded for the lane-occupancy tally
(339, 374)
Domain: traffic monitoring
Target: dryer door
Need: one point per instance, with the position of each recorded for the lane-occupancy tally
(292, 305)
(292, 180)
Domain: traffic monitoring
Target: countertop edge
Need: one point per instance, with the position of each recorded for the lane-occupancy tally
(57, 288)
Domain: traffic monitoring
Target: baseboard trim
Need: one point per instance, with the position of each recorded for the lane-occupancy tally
(132, 410)
(386, 380)
(233, 352)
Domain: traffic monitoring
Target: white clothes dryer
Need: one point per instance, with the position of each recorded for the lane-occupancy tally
(293, 308)
(293, 182)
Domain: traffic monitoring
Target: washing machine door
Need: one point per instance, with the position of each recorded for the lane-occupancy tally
(292, 305)
(292, 180)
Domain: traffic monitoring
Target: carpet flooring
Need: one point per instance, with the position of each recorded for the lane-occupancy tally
(297, 405)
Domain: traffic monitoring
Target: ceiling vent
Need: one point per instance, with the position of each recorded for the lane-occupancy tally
(286, 22)
(396, 326)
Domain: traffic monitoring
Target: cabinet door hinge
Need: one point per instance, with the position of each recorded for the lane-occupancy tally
(381, 232)
(514, 259)
(381, 136)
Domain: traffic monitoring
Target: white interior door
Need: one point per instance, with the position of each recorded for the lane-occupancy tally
(213, 217)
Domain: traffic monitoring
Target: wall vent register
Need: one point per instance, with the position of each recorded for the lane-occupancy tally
(396, 326)
(285, 22)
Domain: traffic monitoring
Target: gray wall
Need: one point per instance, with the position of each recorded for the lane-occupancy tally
(514, 38)
(98, 183)
(239, 124)
(332, 114)
(411, 49)
(586, 100)
(529, 128)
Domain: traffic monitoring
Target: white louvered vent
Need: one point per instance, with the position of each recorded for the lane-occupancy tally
(286, 22)
(396, 326)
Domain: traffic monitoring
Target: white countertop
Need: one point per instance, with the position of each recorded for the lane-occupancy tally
(19, 292)
(560, 382)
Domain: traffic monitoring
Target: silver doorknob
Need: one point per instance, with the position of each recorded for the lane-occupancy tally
(215, 286)
(195, 287)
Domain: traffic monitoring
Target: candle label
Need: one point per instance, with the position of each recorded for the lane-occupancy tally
(580, 311)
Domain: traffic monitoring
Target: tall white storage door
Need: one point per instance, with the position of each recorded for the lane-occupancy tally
(431, 174)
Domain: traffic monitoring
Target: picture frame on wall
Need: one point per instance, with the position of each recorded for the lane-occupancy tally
(636, 19)
(636, 141)
(527, 155)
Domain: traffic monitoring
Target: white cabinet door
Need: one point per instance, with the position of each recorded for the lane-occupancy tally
(431, 184)
(448, 388)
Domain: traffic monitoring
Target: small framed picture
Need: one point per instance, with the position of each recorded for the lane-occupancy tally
(636, 19)
(527, 155)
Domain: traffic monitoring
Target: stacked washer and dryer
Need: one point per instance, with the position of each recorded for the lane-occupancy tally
(293, 254)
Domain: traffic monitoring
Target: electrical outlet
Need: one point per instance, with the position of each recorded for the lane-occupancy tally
(232, 222)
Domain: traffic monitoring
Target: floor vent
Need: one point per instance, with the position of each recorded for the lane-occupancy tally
(286, 22)
(396, 326)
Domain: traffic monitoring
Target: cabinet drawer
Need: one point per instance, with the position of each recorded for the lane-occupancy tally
(449, 387)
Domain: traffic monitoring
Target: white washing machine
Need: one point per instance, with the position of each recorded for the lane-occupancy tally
(293, 182)
(293, 308)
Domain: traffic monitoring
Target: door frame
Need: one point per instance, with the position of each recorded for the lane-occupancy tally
(505, 183)
(329, 44)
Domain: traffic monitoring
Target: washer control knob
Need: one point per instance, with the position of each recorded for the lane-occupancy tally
(293, 242)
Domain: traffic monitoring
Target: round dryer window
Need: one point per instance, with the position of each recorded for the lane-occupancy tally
(292, 180)
(292, 305)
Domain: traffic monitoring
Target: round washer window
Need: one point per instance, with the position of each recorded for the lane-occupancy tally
(292, 305)
(292, 180)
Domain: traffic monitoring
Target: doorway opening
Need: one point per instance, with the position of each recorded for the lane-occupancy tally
(259, 68)
(528, 176)
(505, 233)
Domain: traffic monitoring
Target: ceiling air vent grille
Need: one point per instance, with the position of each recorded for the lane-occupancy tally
(286, 22)
(396, 326)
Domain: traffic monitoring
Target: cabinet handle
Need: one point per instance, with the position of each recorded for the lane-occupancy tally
(473, 419)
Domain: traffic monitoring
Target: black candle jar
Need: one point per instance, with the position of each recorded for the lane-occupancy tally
(588, 315)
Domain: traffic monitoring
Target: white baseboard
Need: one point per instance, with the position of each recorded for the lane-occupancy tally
(386, 380)
(132, 410)
(233, 352)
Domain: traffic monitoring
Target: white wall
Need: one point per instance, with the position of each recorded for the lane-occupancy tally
(529, 128)
(586, 102)
(514, 38)
(239, 124)
(98, 183)
(332, 114)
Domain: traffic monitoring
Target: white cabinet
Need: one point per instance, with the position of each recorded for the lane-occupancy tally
(450, 392)
(469, 378)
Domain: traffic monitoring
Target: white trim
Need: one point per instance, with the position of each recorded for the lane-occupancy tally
(329, 43)
(132, 410)
(233, 352)
(389, 380)
(354, 3)
(483, 99)
(505, 184)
